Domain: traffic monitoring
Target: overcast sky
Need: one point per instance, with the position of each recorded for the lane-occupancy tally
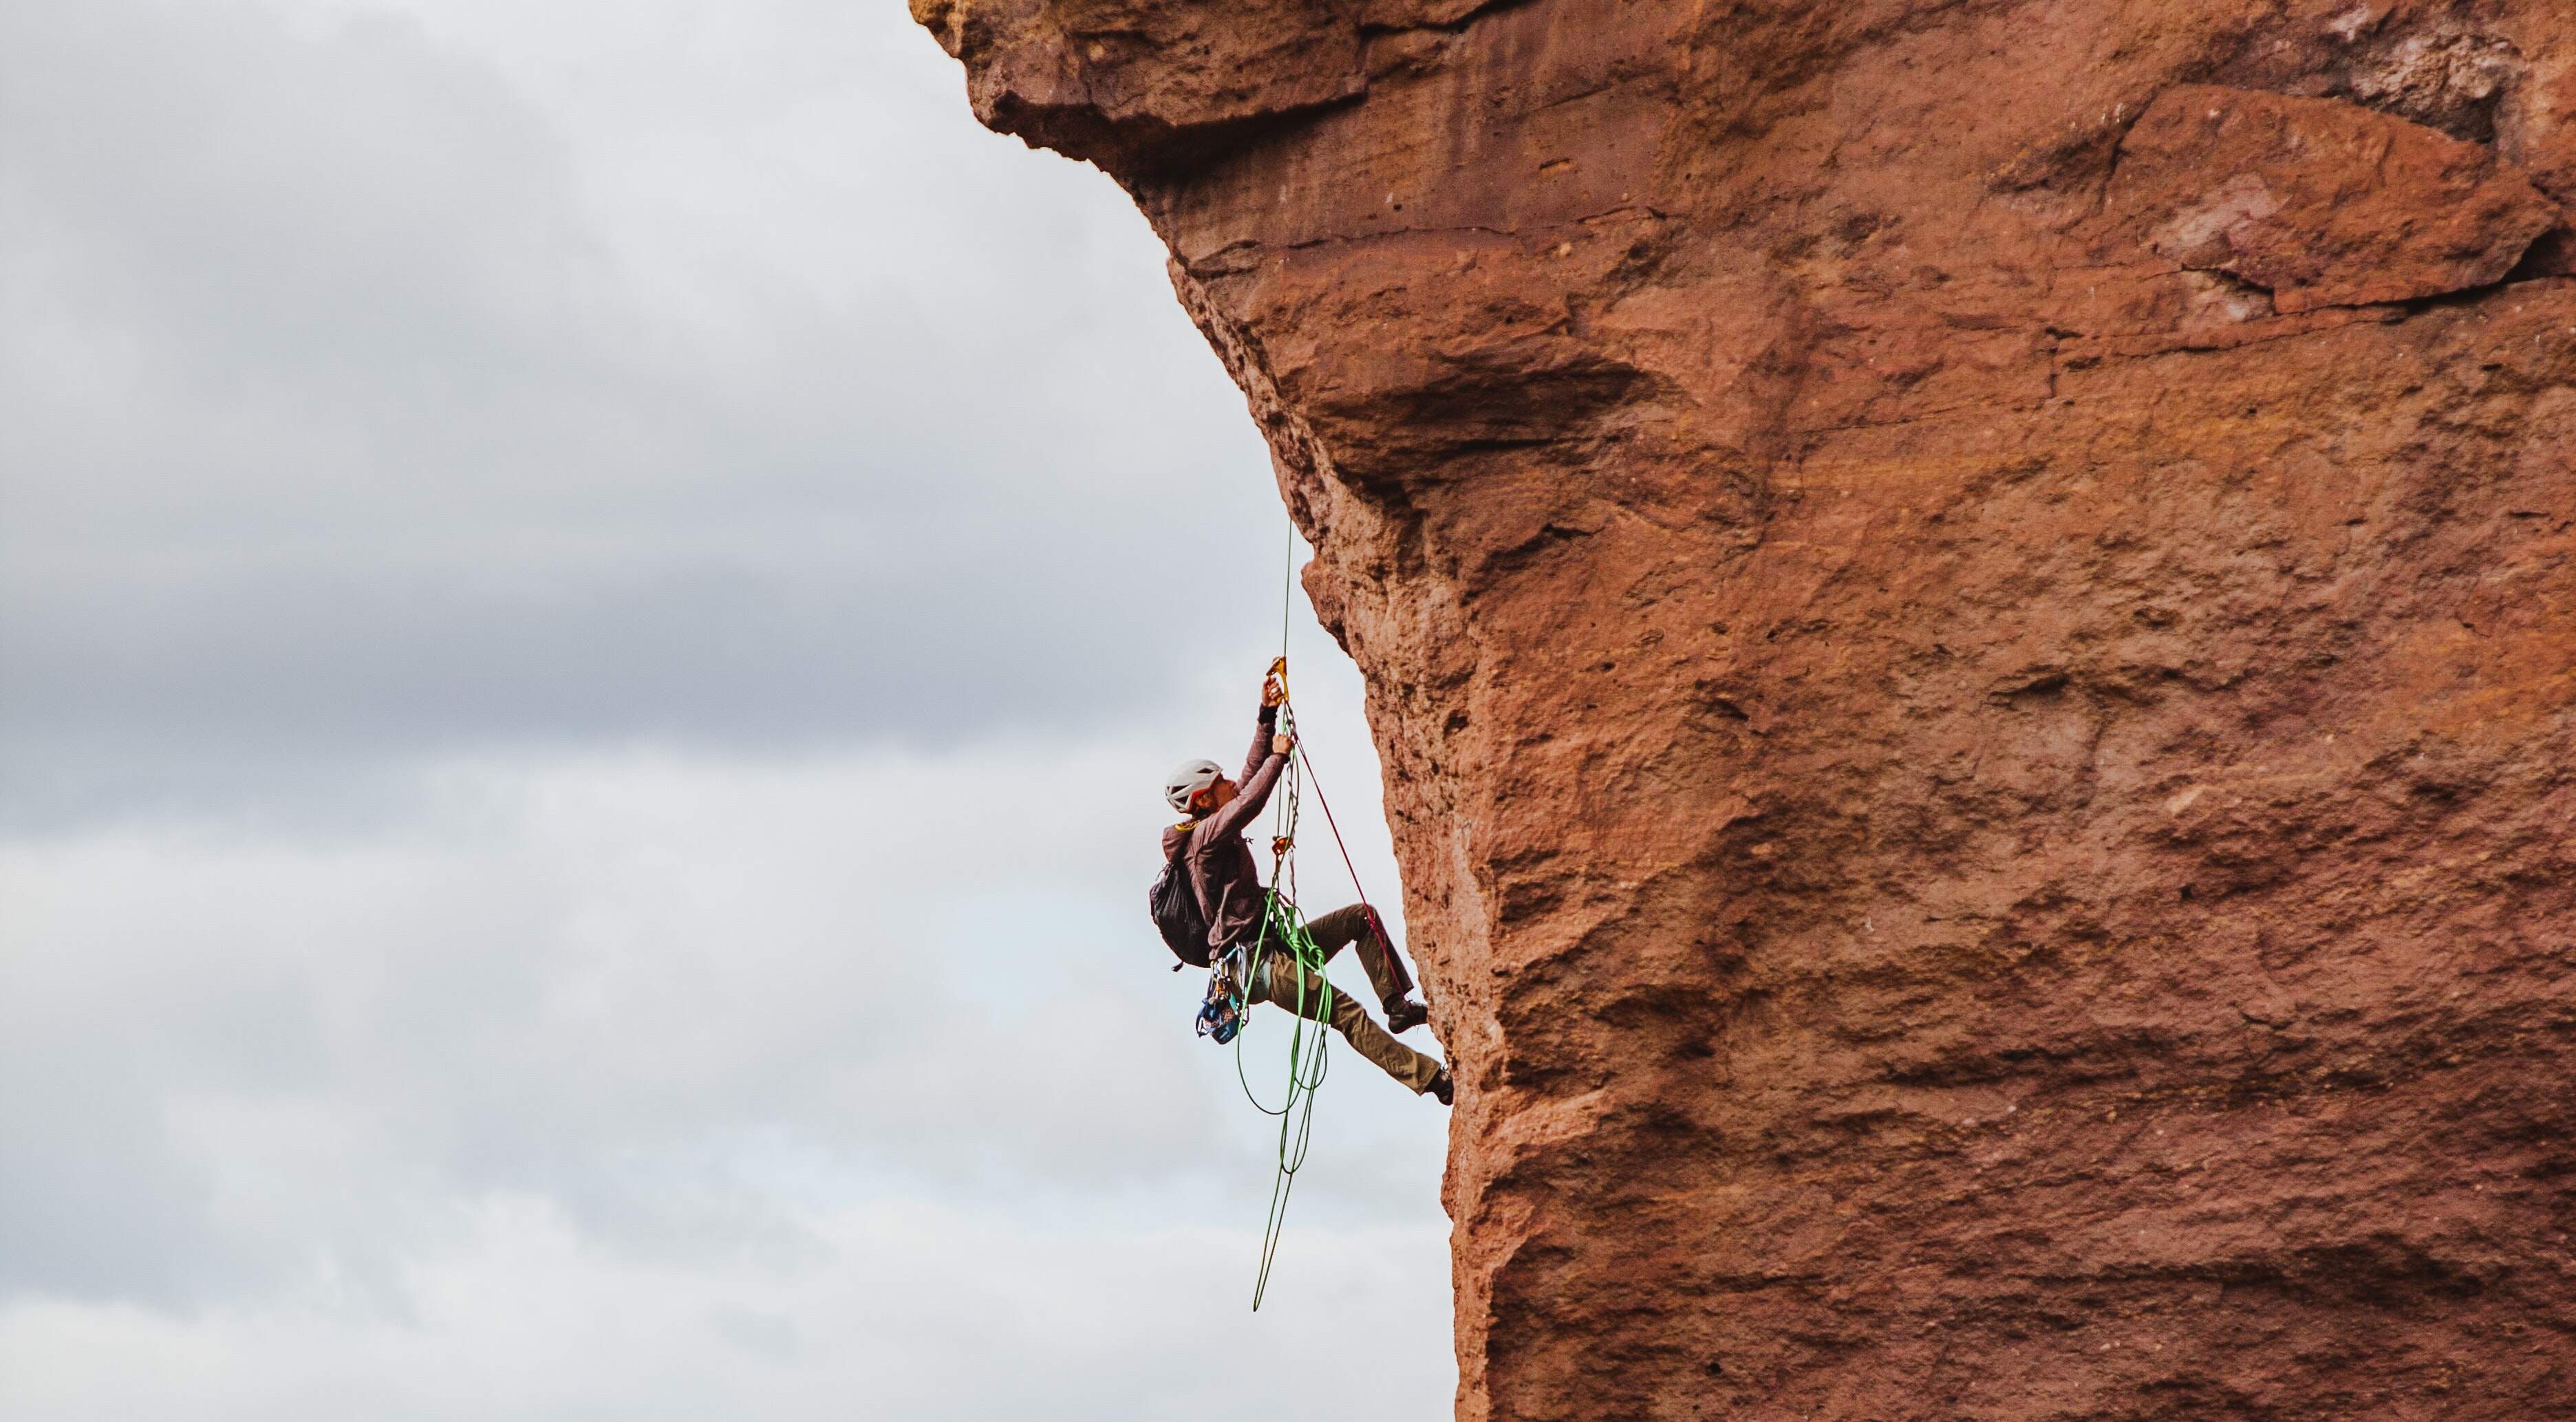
(593, 596)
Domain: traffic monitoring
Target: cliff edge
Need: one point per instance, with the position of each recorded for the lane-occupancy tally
(1970, 608)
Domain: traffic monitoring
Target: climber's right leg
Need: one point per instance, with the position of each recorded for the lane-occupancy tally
(1279, 986)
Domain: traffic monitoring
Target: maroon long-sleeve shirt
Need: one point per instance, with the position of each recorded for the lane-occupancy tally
(1221, 867)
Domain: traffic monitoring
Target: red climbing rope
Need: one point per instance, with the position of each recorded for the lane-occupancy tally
(1317, 785)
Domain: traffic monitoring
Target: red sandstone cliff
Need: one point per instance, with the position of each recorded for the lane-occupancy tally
(1971, 612)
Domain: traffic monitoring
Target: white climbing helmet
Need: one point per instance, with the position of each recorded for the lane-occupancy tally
(1192, 777)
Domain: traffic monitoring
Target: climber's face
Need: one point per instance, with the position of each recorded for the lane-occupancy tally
(1216, 797)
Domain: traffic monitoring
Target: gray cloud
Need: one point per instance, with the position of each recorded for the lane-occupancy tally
(649, 990)
(348, 416)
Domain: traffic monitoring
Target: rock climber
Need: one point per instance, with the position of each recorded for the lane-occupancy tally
(1227, 884)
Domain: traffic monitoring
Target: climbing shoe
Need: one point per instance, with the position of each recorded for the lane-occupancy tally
(1403, 1014)
(1442, 1087)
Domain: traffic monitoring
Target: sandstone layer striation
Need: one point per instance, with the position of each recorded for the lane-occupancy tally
(1970, 608)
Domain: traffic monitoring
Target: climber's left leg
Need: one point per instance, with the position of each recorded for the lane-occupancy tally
(1358, 925)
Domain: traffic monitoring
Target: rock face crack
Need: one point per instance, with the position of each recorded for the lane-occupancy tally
(2320, 202)
(1970, 611)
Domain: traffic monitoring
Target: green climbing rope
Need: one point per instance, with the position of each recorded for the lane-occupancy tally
(1306, 1066)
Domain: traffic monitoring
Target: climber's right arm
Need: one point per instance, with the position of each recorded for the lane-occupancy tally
(1262, 731)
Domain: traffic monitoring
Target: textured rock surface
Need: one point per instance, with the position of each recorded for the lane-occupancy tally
(1971, 612)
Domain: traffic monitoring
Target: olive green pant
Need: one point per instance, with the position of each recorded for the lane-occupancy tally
(1332, 932)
